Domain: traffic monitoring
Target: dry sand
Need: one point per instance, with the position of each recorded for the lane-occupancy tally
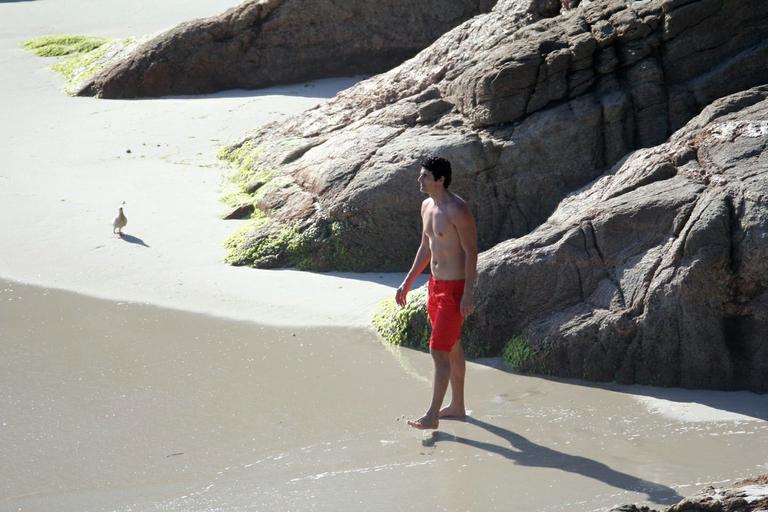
(120, 405)
(66, 170)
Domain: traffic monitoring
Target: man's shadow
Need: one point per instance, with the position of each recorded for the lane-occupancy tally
(526, 453)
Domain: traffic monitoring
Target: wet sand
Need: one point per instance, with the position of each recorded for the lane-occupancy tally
(117, 406)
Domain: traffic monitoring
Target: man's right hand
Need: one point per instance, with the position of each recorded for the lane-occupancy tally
(401, 294)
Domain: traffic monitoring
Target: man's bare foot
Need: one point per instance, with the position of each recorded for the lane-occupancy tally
(452, 411)
(424, 423)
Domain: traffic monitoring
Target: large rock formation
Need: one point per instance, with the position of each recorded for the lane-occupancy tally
(527, 108)
(266, 42)
(656, 273)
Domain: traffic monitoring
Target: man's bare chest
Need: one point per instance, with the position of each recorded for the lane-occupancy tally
(438, 225)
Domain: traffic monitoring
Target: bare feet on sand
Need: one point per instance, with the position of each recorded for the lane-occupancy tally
(452, 411)
(424, 423)
(428, 422)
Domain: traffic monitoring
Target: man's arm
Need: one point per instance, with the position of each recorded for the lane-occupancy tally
(465, 227)
(423, 255)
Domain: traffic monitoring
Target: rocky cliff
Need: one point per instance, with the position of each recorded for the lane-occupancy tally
(528, 109)
(655, 273)
(267, 42)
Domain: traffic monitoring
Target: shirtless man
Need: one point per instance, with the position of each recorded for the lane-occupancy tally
(449, 245)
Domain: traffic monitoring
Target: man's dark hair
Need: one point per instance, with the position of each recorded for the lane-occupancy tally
(439, 167)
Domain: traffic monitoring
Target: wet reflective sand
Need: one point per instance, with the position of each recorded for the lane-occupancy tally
(112, 406)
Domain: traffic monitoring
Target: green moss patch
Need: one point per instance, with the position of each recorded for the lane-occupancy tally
(242, 158)
(236, 198)
(517, 353)
(340, 256)
(80, 67)
(85, 56)
(324, 246)
(407, 326)
(523, 356)
(261, 245)
(58, 46)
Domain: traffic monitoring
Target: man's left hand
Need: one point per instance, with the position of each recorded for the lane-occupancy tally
(467, 306)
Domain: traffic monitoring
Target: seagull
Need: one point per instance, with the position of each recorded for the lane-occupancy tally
(119, 223)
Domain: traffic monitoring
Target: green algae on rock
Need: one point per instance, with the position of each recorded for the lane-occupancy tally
(340, 256)
(521, 355)
(265, 243)
(84, 55)
(278, 242)
(78, 67)
(517, 353)
(282, 246)
(65, 44)
(407, 326)
(242, 158)
(236, 198)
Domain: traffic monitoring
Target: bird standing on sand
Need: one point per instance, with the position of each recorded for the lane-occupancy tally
(119, 223)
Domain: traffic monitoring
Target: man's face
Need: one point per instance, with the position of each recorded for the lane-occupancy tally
(427, 182)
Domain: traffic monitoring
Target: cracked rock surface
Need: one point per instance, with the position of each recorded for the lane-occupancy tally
(530, 102)
(656, 273)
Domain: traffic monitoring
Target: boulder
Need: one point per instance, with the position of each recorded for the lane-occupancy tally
(528, 108)
(265, 42)
(749, 495)
(655, 273)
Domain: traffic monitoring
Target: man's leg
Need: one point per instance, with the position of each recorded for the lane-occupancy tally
(442, 362)
(458, 369)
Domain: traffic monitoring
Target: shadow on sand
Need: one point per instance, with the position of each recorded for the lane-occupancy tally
(526, 453)
(745, 403)
(325, 88)
(133, 240)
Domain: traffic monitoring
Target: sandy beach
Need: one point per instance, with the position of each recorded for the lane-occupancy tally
(143, 374)
(68, 168)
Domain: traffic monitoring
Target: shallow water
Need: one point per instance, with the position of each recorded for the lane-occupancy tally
(115, 406)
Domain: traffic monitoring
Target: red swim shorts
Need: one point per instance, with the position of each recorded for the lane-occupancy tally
(443, 303)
